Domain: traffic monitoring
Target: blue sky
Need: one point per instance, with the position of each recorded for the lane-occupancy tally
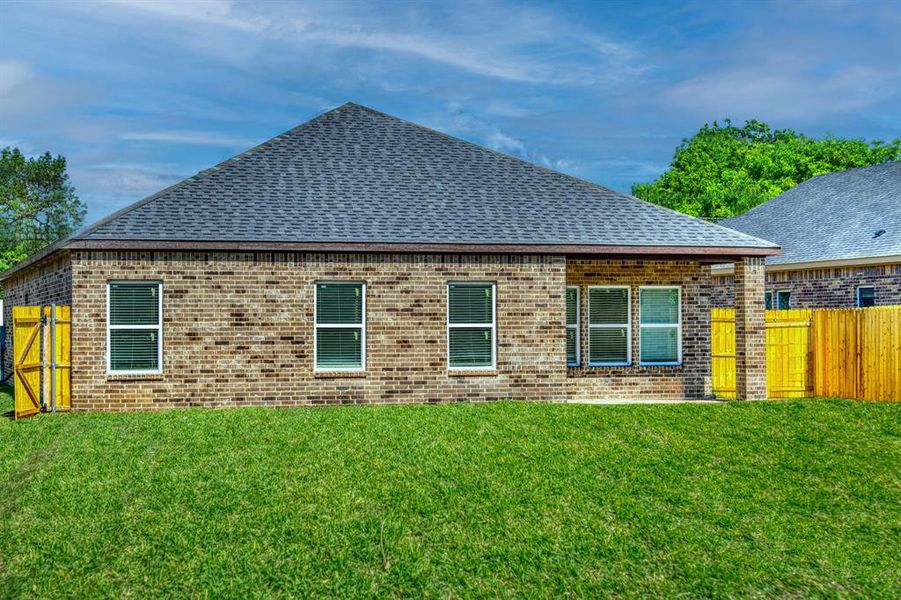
(138, 95)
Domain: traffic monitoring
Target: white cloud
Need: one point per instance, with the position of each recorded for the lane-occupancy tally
(210, 12)
(490, 40)
(193, 138)
(121, 181)
(24, 94)
(783, 91)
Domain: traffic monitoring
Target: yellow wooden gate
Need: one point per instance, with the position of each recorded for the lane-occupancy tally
(27, 360)
(722, 345)
(42, 359)
(788, 372)
(788, 364)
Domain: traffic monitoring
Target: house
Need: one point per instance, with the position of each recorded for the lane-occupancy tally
(363, 258)
(840, 235)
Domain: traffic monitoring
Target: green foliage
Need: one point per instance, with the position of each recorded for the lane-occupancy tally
(759, 499)
(724, 170)
(38, 206)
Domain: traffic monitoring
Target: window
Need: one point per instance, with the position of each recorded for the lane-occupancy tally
(609, 328)
(134, 334)
(470, 326)
(660, 310)
(866, 296)
(340, 328)
(768, 300)
(572, 327)
(783, 299)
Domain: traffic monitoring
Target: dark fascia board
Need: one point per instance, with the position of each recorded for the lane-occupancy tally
(711, 254)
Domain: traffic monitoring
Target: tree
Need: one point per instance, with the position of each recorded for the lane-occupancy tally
(38, 205)
(724, 170)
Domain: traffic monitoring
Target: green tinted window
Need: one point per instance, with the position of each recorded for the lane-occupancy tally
(468, 304)
(660, 325)
(340, 328)
(470, 334)
(135, 329)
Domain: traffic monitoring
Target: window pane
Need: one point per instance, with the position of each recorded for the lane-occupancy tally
(470, 303)
(660, 306)
(608, 345)
(659, 344)
(572, 306)
(134, 350)
(470, 347)
(768, 300)
(572, 351)
(866, 296)
(339, 303)
(134, 303)
(783, 300)
(608, 306)
(339, 348)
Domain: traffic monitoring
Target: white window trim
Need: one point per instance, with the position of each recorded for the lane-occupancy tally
(776, 299)
(677, 325)
(493, 325)
(577, 326)
(316, 326)
(158, 327)
(628, 325)
(857, 294)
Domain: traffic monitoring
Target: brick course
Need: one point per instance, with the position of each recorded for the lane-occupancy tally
(48, 282)
(821, 288)
(238, 328)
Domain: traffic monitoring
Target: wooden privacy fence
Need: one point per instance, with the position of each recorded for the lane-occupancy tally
(42, 359)
(848, 353)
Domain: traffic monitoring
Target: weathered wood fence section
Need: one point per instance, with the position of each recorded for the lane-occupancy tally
(848, 353)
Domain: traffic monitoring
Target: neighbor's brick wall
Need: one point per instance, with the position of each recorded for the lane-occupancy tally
(238, 329)
(48, 282)
(821, 288)
(692, 379)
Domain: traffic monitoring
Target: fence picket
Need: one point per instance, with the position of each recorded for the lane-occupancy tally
(848, 353)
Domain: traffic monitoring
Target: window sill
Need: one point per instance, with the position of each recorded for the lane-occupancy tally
(134, 377)
(339, 374)
(473, 373)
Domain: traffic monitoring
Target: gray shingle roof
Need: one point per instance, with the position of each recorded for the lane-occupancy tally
(833, 216)
(356, 175)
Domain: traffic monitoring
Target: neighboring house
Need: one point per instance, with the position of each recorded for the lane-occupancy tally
(840, 235)
(362, 258)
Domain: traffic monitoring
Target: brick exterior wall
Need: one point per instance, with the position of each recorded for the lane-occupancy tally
(750, 330)
(48, 282)
(821, 288)
(238, 328)
(692, 379)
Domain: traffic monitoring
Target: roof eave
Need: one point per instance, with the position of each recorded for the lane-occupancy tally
(707, 253)
(863, 261)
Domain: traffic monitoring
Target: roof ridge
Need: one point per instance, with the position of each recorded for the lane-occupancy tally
(89, 229)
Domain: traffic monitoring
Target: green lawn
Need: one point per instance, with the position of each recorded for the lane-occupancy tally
(794, 498)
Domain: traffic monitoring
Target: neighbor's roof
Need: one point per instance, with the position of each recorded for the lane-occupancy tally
(355, 177)
(832, 217)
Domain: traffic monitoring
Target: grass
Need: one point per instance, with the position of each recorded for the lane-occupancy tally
(799, 498)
